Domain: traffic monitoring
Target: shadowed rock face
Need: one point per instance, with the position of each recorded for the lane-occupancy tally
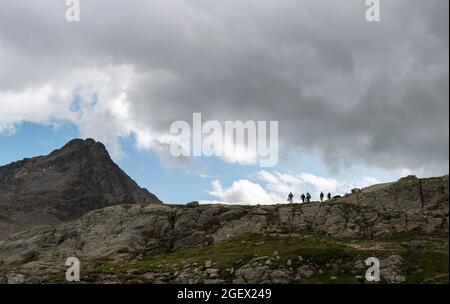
(64, 185)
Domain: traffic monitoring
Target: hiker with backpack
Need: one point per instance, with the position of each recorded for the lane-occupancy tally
(308, 197)
(290, 198)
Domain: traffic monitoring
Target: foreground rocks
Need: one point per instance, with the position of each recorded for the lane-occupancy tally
(237, 261)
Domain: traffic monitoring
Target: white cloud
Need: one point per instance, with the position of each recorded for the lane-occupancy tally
(34, 104)
(326, 184)
(94, 99)
(273, 188)
(241, 191)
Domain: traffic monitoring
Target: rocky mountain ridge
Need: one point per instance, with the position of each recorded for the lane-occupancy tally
(64, 185)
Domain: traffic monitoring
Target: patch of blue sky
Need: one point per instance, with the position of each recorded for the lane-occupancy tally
(81, 102)
(32, 139)
(171, 185)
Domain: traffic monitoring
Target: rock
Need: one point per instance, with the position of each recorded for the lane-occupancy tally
(280, 276)
(333, 278)
(239, 280)
(186, 277)
(259, 259)
(252, 275)
(400, 279)
(391, 261)
(193, 204)
(150, 276)
(212, 272)
(305, 271)
(26, 256)
(359, 265)
(213, 281)
(14, 278)
(390, 268)
(208, 264)
(289, 262)
(165, 277)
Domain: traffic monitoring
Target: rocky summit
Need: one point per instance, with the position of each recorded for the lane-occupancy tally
(404, 224)
(64, 185)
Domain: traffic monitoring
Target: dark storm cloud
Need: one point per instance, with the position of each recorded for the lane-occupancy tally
(356, 92)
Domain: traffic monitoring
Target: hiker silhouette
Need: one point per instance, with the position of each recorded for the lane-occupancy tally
(290, 198)
(303, 197)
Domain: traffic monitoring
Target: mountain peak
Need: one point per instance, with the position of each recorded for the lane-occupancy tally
(83, 142)
(84, 145)
(70, 181)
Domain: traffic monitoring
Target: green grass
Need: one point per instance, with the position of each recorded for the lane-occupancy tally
(326, 278)
(250, 246)
(429, 265)
(226, 254)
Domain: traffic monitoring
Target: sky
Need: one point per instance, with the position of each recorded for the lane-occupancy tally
(357, 102)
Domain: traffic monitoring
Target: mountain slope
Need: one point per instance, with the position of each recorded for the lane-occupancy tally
(66, 184)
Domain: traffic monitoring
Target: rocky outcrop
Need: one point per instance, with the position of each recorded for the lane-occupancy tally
(409, 193)
(69, 182)
(8, 226)
(128, 231)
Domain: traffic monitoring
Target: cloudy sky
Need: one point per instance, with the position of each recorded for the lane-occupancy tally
(357, 102)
